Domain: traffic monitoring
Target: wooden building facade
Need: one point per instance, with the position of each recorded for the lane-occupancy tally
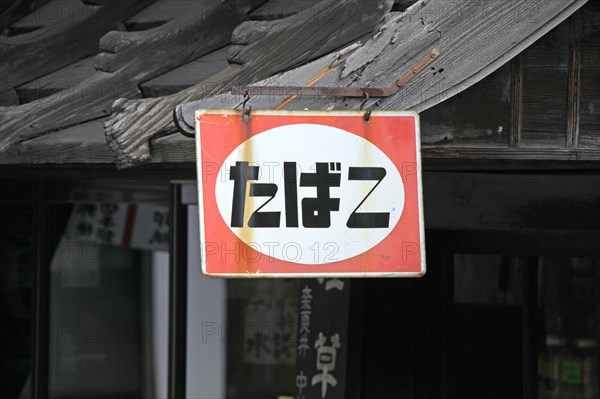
(100, 285)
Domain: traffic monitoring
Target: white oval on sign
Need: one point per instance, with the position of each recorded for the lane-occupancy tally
(329, 227)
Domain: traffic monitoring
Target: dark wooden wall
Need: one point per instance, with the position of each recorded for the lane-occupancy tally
(547, 98)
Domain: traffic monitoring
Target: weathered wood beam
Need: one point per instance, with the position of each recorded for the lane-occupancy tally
(186, 75)
(260, 49)
(277, 9)
(177, 149)
(509, 202)
(522, 154)
(73, 36)
(12, 11)
(127, 59)
(159, 13)
(57, 81)
(83, 144)
(401, 5)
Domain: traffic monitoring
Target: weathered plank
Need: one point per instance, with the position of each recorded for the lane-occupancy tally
(545, 84)
(186, 75)
(260, 49)
(402, 5)
(30, 55)
(544, 106)
(277, 9)
(127, 59)
(47, 14)
(12, 11)
(83, 144)
(514, 154)
(175, 148)
(9, 97)
(516, 101)
(161, 12)
(55, 82)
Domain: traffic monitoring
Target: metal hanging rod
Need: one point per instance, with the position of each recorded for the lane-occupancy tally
(325, 91)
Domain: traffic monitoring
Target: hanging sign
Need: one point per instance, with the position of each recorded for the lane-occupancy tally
(310, 194)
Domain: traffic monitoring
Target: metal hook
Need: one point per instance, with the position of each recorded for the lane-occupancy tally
(246, 110)
(246, 113)
(244, 101)
(246, 98)
(369, 111)
(366, 98)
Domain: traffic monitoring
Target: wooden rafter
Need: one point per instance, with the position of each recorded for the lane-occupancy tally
(12, 11)
(127, 58)
(30, 55)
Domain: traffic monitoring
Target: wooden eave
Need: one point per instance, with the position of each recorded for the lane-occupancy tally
(470, 49)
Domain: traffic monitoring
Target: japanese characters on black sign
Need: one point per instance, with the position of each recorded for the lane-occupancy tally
(269, 324)
(322, 338)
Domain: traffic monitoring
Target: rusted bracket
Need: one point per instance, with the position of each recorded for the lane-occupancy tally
(325, 91)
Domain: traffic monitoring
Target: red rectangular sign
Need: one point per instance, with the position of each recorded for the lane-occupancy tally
(310, 194)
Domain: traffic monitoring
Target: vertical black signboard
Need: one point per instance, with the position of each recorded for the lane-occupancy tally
(323, 339)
